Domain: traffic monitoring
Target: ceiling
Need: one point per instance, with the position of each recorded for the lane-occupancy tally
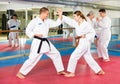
(103, 2)
(108, 4)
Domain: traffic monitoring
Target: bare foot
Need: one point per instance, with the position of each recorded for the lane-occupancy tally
(101, 72)
(100, 58)
(9, 45)
(16, 45)
(20, 75)
(61, 73)
(13, 46)
(106, 60)
(69, 75)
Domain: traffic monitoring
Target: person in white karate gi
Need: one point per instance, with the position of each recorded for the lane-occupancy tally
(38, 29)
(66, 32)
(91, 19)
(13, 24)
(105, 35)
(85, 33)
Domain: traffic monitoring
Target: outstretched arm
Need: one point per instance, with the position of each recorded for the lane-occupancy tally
(69, 21)
(53, 23)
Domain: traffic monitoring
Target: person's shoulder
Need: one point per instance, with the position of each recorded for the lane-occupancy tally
(33, 20)
(86, 22)
(107, 17)
(10, 20)
(48, 19)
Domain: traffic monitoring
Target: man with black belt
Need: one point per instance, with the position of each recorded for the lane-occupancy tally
(38, 29)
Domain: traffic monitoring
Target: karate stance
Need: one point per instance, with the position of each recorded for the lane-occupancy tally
(38, 29)
(85, 33)
(105, 35)
(13, 24)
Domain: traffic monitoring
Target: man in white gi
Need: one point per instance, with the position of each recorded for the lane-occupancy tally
(105, 35)
(38, 29)
(13, 24)
(91, 19)
(85, 33)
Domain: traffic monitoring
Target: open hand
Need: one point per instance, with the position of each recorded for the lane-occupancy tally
(59, 12)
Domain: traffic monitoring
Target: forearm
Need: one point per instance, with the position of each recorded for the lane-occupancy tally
(55, 23)
(68, 21)
(103, 24)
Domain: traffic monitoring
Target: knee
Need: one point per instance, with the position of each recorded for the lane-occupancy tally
(56, 56)
(57, 53)
(103, 46)
(74, 58)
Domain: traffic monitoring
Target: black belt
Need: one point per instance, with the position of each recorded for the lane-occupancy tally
(13, 26)
(40, 45)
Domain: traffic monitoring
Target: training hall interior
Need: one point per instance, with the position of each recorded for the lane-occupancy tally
(63, 37)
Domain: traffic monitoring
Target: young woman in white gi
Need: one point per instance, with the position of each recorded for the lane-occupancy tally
(13, 24)
(38, 29)
(85, 33)
(105, 35)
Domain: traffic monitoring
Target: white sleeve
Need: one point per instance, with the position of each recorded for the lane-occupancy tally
(105, 24)
(29, 29)
(69, 21)
(53, 23)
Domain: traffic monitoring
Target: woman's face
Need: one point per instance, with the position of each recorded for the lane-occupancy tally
(77, 18)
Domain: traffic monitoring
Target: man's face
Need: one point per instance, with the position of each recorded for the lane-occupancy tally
(92, 16)
(14, 17)
(101, 14)
(45, 14)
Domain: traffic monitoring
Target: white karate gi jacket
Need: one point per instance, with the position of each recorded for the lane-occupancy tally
(84, 28)
(37, 26)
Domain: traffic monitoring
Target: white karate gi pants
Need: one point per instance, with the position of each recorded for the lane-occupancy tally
(13, 36)
(34, 57)
(103, 42)
(83, 49)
